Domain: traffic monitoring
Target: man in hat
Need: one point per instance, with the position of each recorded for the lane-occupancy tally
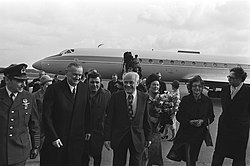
(36, 82)
(18, 119)
(45, 81)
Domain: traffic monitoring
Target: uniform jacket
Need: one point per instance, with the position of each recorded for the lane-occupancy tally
(234, 122)
(64, 118)
(18, 122)
(118, 124)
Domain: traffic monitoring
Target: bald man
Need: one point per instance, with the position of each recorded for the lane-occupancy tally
(127, 126)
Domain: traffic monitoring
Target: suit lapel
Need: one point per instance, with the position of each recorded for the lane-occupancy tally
(228, 93)
(239, 92)
(139, 103)
(123, 103)
(81, 93)
(66, 90)
(18, 100)
(4, 97)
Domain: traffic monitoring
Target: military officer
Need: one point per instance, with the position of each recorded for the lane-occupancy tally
(18, 119)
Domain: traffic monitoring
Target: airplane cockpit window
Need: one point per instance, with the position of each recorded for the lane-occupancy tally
(67, 51)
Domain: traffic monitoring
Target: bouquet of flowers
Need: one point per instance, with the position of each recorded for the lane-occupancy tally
(166, 105)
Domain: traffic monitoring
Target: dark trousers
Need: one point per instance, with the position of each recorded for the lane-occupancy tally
(120, 153)
(218, 160)
(86, 159)
(19, 164)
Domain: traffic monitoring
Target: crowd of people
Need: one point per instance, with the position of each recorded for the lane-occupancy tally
(69, 121)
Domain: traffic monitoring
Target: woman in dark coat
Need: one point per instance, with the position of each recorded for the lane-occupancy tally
(155, 149)
(195, 113)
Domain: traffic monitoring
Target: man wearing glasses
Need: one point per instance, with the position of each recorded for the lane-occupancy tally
(234, 121)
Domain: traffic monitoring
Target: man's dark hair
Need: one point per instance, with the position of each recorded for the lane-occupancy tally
(94, 74)
(239, 73)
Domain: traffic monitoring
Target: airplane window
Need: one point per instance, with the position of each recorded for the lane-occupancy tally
(172, 62)
(161, 61)
(68, 52)
(205, 64)
(150, 60)
(193, 63)
(225, 65)
(215, 64)
(183, 62)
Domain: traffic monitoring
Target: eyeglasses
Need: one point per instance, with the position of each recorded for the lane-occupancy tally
(197, 86)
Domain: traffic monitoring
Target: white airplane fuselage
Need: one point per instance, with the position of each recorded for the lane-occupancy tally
(172, 66)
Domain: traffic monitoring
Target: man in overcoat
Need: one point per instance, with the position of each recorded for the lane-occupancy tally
(234, 121)
(65, 111)
(19, 119)
(127, 126)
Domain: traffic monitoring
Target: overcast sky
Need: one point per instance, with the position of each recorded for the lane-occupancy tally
(33, 29)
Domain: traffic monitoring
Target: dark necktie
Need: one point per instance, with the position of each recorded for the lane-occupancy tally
(74, 92)
(130, 106)
(12, 97)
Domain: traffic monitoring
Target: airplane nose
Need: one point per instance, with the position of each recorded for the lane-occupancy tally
(37, 65)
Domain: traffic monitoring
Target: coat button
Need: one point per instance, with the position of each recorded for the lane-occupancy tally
(11, 127)
(12, 112)
(26, 113)
(10, 135)
(12, 120)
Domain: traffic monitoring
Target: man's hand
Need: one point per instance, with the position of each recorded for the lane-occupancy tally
(147, 144)
(193, 122)
(57, 143)
(87, 137)
(196, 123)
(107, 145)
(199, 122)
(33, 153)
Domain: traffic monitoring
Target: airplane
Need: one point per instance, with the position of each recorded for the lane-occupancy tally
(180, 65)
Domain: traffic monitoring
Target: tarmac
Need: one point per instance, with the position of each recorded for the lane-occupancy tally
(205, 155)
